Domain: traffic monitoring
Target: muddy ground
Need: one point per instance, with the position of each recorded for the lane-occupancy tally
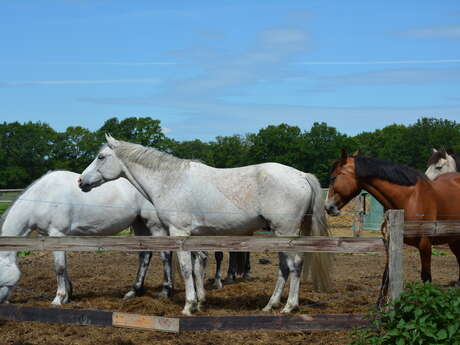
(100, 279)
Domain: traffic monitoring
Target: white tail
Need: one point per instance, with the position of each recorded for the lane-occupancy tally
(319, 265)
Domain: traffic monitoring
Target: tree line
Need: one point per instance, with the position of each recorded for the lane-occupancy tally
(29, 150)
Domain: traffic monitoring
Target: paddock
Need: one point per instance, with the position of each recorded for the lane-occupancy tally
(100, 279)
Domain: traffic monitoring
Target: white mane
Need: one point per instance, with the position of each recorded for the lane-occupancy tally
(149, 157)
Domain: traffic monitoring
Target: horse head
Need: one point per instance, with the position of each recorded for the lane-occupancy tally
(9, 274)
(105, 167)
(441, 162)
(343, 185)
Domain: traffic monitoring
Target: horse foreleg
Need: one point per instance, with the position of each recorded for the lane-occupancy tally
(455, 248)
(425, 257)
(64, 286)
(294, 262)
(283, 274)
(219, 256)
(191, 302)
(138, 286)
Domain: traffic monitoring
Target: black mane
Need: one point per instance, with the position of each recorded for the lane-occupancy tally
(394, 173)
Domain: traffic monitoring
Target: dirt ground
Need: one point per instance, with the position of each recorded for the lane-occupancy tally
(100, 279)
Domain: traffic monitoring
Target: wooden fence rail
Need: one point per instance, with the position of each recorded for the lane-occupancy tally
(196, 243)
(396, 228)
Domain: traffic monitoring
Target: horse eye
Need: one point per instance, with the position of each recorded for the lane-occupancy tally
(438, 168)
(100, 157)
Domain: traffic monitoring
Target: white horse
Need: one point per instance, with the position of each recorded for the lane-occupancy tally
(55, 206)
(192, 198)
(441, 162)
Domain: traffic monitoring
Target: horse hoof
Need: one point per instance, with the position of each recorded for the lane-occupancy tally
(248, 278)
(166, 292)
(289, 308)
(267, 309)
(218, 284)
(229, 280)
(57, 302)
(130, 294)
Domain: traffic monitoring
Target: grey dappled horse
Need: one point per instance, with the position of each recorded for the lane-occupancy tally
(192, 198)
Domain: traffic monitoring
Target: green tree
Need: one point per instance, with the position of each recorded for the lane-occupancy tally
(140, 130)
(74, 149)
(280, 144)
(230, 152)
(25, 152)
(321, 146)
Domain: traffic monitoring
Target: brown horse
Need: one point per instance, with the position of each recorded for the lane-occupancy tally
(399, 187)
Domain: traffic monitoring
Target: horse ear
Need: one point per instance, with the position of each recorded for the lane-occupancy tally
(450, 151)
(111, 141)
(356, 153)
(434, 150)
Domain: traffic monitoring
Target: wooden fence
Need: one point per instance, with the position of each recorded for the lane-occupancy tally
(393, 244)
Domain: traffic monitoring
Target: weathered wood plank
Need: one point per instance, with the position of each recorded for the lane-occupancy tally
(395, 253)
(54, 315)
(438, 228)
(358, 218)
(147, 322)
(193, 243)
(303, 322)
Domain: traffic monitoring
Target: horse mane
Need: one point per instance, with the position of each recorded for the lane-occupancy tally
(456, 158)
(394, 173)
(150, 157)
(5, 214)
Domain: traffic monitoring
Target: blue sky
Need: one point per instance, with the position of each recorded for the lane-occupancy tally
(209, 68)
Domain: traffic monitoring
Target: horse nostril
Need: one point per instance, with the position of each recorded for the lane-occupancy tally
(79, 181)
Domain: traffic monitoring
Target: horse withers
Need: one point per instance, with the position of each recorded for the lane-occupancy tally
(397, 186)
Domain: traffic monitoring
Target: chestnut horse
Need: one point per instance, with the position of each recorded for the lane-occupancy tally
(399, 187)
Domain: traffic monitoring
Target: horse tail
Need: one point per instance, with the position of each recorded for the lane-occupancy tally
(319, 265)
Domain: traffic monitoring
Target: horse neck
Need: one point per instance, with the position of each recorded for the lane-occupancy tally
(148, 182)
(390, 195)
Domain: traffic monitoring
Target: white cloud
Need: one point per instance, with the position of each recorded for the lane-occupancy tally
(398, 76)
(381, 62)
(451, 31)
(79, 82)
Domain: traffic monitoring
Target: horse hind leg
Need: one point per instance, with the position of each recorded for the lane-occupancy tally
(138, 286)
(294, 263)
(247, 267)
(64, 286)
(425, 258)
(455, 248)
(199, 268)
(232, 267)
(219, 256)
(283, 274)
(168, 286)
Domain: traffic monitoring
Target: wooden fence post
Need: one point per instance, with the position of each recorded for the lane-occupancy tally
(358, 221)
(395, 253)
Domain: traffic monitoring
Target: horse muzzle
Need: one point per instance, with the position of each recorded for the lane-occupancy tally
(331, 208)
